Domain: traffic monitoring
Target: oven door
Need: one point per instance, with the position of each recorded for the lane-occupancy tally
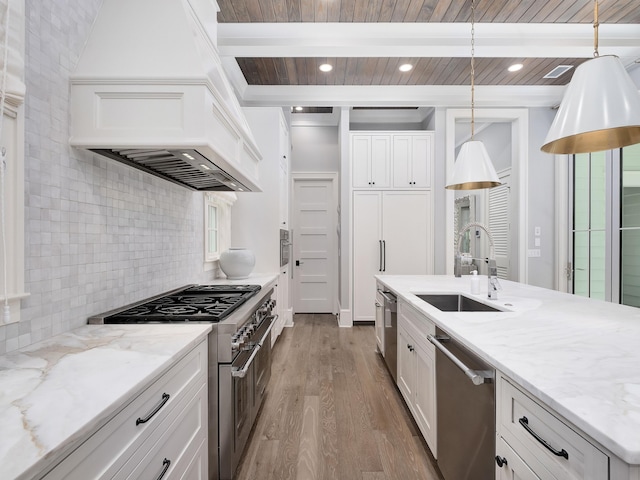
(235, 394)
(242, 385)
(262, 363)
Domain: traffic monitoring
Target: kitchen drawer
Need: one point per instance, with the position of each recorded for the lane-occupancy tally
(172, 450)
(584, 460)
(419, 321)
(105, 452)
(513, 468)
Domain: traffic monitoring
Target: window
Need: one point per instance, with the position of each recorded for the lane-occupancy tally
(605, 225)
(211, 225)
(217, 224)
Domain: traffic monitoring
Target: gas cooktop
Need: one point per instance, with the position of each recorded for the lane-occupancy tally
(195, 303)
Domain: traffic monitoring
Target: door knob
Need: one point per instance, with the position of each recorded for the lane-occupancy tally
(298, 263)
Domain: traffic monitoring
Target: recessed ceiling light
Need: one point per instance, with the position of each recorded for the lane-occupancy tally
(299, 109)
(515, 67)
(325, 67)
(405, 67)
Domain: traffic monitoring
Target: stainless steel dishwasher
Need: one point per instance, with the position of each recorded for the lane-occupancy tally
(391, 333)
(465, 411)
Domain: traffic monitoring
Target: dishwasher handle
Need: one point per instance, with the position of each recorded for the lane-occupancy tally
(478, 377)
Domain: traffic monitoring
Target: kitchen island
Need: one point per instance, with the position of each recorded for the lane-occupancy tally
(579, 357)
(56, 393)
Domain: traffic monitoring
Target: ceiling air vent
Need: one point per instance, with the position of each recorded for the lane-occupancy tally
(558, 71)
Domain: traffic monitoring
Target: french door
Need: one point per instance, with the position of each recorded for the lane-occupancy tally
(604, 240)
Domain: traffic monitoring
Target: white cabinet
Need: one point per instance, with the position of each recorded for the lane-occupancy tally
(541, 441)
(412, 160)
(392, 234)
(511, 466)
(392, 160)
(282, 303)
(166, 421)
(371, 161)
(416, 370)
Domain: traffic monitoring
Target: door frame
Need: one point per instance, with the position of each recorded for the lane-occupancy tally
(519, 119)
(335, 220)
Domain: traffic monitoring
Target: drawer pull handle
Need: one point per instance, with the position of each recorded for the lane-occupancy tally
(165, 399)
(524, 421)
(501, 461)
(165, 466)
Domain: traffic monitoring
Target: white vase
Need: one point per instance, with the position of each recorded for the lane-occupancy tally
(237, 263)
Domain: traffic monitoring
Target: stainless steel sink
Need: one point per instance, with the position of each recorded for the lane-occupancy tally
(451, 302)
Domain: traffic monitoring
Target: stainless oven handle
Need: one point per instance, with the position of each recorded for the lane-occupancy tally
(273, 319)
(241, 373)
(478, 377)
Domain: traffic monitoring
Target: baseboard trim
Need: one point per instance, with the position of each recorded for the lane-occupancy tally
(345, 319)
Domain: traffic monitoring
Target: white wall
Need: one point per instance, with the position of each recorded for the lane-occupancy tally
(255, 216)
(542, 201)
(99, 235)
(315, 149)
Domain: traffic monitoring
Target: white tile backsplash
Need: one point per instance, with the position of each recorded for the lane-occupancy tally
(98, 234)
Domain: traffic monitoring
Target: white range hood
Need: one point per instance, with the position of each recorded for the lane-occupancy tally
(149, 91)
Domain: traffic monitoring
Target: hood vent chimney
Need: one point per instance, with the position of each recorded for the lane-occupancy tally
(149, 91)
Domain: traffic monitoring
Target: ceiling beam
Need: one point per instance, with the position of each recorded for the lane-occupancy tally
(391, 95)
(546, 40)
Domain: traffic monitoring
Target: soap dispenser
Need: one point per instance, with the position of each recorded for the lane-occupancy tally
(475, 283)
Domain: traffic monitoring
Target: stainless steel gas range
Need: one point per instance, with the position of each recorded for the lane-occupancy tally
(239, 355)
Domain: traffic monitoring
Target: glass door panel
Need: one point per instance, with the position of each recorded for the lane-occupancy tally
(630, 227)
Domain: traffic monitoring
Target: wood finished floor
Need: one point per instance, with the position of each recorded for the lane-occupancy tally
(333, 412)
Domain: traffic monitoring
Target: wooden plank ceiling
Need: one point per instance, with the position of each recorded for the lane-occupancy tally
(384, 71)
(502, 11)
(426, 71)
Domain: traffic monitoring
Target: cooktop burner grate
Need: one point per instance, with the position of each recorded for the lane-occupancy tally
(196, 303)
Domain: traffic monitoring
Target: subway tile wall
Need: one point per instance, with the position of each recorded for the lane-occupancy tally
(98, 234)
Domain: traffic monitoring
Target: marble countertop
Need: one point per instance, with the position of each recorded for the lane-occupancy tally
(55, 393)
(579, 356)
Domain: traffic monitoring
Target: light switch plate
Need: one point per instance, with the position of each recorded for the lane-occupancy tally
(533, 253)
(536, 241)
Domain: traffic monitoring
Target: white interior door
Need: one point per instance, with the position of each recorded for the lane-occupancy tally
(314, 245)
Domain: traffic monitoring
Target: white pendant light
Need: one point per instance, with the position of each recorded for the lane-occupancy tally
(600, 109)
(473, 168)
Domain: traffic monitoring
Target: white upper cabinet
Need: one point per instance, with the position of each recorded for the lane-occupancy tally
(371, 160)
(390, 160)
(412, 159)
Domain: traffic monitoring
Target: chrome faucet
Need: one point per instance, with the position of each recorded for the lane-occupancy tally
(492, 275)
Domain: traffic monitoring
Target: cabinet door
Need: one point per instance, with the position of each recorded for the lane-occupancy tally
(361, 161)
(367, 253)
(515, 468)
(283, 176)
(402, 151)
(380, 161)
(284, 195)
(425, 394)
(421, 148)
(406, 366)
(407, 233)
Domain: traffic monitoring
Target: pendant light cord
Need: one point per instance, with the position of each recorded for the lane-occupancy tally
(3, 165)
(473, 71)
(595, 30)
